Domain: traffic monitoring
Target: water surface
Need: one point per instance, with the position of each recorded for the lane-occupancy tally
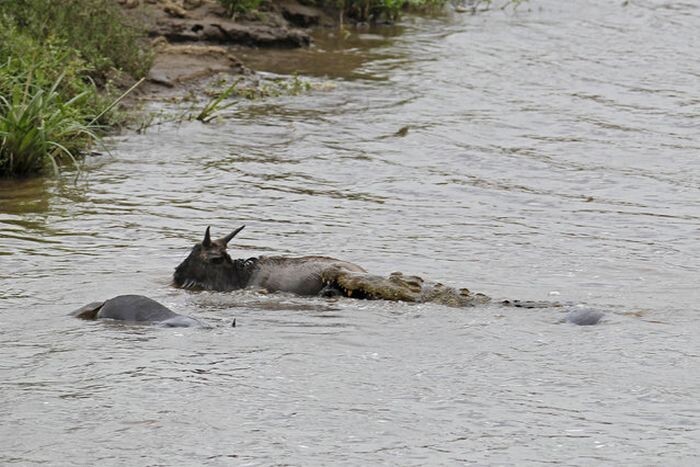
(551, 153)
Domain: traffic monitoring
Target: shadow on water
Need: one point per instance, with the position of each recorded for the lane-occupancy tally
(334, 54)
(25, 195)
(28, 205)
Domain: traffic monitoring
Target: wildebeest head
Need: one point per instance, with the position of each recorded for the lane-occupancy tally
(209, 266)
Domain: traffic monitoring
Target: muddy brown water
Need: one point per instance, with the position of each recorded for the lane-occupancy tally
(551, 154)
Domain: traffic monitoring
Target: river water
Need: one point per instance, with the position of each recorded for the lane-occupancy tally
(551, 153)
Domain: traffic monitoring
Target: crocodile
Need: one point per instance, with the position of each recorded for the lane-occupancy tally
(209, 267)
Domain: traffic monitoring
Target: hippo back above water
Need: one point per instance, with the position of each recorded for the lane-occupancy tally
(135, 309)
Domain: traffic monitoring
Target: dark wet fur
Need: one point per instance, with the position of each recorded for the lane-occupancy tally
(209, 267)
(223, 275)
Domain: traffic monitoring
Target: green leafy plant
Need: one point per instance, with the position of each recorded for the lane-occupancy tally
(217, 104)
(98, 30)
(38, 128)
(51, 56)
(235, 7)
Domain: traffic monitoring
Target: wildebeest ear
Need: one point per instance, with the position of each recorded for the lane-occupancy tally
(207, 239)
(228, 237)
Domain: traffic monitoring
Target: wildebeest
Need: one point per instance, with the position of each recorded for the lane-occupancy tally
(209, 267)
(135, 309)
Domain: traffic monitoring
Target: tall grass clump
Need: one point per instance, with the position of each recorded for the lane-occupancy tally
(56, 58)
(39, 129)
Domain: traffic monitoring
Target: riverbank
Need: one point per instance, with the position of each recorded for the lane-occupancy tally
(62, 70)
(195, 40)
(73, 72)
(78, 63)
(75, 66)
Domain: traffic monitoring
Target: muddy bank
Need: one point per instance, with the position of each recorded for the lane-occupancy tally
(194, 40)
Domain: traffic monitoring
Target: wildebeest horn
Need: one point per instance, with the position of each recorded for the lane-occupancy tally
(207, 238)
(228, 237)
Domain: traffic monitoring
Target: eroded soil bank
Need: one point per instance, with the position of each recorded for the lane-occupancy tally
(194, 40)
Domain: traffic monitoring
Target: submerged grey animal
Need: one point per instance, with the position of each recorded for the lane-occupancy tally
(584, 316)
(135, 309)
(581, 316)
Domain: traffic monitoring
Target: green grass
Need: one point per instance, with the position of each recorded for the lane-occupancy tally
(235, 7)
(56, 58)
(38, 128)
(218, 103)
(97, 29)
